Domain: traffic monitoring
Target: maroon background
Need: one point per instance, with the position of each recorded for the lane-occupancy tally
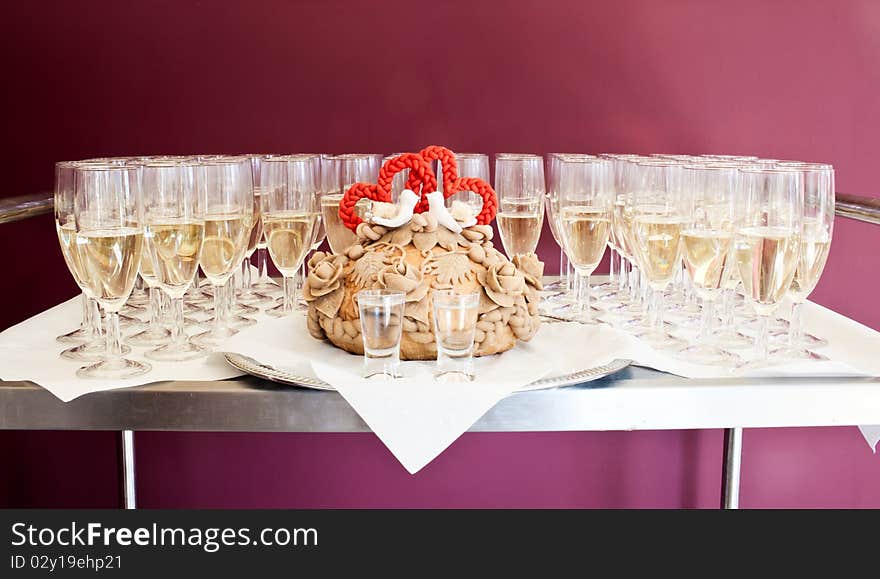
(789, 79)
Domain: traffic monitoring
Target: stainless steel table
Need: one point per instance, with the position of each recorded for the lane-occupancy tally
(633, 399)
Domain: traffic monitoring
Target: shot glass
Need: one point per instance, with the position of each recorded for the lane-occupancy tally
(455, 322)
(381, 314)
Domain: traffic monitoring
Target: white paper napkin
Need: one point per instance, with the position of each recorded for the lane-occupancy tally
(28, 351)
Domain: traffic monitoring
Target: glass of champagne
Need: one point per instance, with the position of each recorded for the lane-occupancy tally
(658, 218)
(818, 226)
(767, 241)
(227, 183)
(584, 221)
(343, 171)
(289, 216)
(707, 242)
(519, 183)
(92, 347)
(248, 294)
(109, 242)
(174, 228)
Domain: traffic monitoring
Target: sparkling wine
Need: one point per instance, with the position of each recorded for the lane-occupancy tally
(67, 239)
(338, 235)
(814, 250)
(766, 258)
(224, 246)
(658, 238)
(289, 237)
(706, 254)
(176, 246)
(520, 227)
(110, 260)
(585, 230)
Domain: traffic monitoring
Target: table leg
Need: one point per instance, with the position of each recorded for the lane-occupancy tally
(129, 495)
(731, 468)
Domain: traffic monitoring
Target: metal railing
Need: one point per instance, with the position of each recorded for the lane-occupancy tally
(25, 206)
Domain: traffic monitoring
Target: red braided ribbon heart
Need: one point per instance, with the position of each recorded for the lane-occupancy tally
(421, 180)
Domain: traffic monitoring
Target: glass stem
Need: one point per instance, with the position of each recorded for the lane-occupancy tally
(219, 308)
(623, 278)
(561, 263)
(583, 294)
(177, 336)
(114, 336)
(95, 319)
(634, 283)
(707, 315)
(727, 309)
(289, 287)
(85, 323)
(795, 325)
(246, 278)
(262, 265)
(570, 280)
(611, 269)
(761, 348)
(155, 307)
(656, 310)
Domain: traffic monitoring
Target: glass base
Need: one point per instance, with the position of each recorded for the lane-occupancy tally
(268, 285)
(90, 351)
(152, 336)
(789, 353)
(213, 339)
(279, 311)
(777, 325)
(661, 340)
(453, 377)
(806, 341)
(710, 355)
(177, 352)
(77, 336)
(239, 322)
(130, 325)
(191, 308)
(243, 310)
(254, 299)
(732, 340)
(557, 285)
(117, 369)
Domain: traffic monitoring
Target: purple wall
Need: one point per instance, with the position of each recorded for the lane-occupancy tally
(786, 79)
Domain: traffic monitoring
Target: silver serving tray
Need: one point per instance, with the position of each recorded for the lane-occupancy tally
(254, 368)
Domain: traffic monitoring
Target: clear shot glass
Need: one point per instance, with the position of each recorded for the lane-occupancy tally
(381, 313)
(455, 322)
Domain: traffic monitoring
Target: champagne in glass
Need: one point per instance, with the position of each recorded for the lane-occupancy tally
(175, 230)
(585, 204)
(707, 242)
(767, 244)
(519, 183)
(657, 223)
(338, 174)
(289, 216)
(226, 185)
(109, 244)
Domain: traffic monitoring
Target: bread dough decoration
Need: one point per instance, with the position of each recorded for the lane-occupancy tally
(418, 246)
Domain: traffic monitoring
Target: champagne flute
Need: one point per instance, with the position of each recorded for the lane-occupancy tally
(248, 295)
(818, 227)
(656, 234)
(343, 171)
(109, 242)
(767, 242)
(264, 284)
(229, 210)
(289, 215)
(519, 183)
(585, 203)
(89, 332)
(707, 241)
(65, 227)
(174, 229)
